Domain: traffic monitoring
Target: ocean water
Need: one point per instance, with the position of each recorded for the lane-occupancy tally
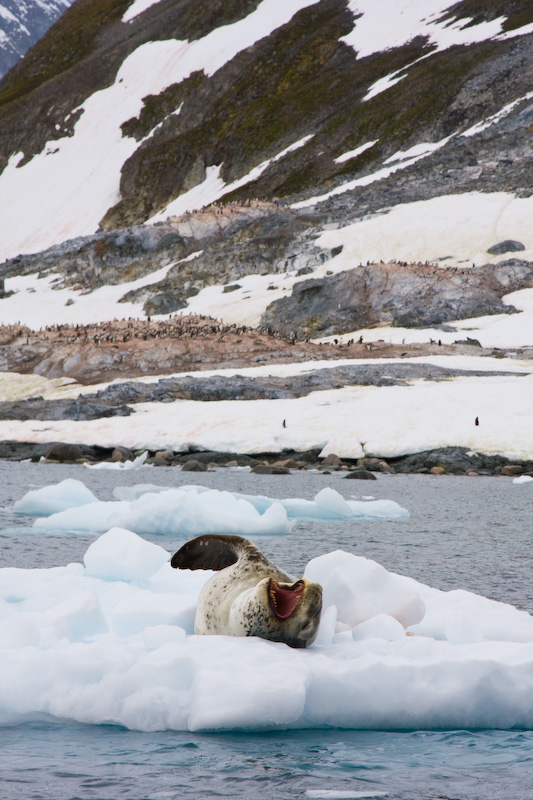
(470, 533)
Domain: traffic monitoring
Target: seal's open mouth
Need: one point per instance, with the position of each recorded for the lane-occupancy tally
(284, 598)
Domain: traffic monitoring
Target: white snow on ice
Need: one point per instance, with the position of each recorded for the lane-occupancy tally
(525, 30)
(38, 302)
(421, 149)
(391, 24)
(136, 8)
(458, 229)
(111, 641)
(137, 463)
(501, 114)
(357, 152)
(366, 180)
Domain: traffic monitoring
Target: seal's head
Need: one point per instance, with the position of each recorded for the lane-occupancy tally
(282, 611)
(249, 596)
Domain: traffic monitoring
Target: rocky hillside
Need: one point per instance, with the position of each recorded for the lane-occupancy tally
(265, 125)
(288, 108)
(22, 23)
(350, 169)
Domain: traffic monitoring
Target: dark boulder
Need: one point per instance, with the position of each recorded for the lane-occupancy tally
(269, 469)
(508, 246)
(65, 452)
(194, 466)
(361, 474)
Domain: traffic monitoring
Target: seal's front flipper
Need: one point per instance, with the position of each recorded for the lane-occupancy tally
(211, 551)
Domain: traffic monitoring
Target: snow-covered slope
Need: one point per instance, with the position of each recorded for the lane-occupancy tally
(22, 23)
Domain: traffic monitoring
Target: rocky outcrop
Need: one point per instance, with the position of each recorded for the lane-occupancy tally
(239, 387)
(227, 242)
(133, 348)
(116, 400)
(457, 461)
(263, 239)
(83, 408)
(96, 353)
(115, 257)
(403, 295)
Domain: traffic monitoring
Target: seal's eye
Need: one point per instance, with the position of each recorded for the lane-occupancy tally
(284, 598)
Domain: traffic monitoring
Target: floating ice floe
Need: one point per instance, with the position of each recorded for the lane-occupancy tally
(330, 504)
(193, 510)
(70, 493)
(523, 479)
(111, 641)
(137, 463)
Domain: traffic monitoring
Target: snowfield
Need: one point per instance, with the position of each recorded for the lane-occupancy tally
(67, 188)
(351, 422)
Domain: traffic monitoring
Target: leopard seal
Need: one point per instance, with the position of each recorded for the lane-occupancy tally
(249, 596)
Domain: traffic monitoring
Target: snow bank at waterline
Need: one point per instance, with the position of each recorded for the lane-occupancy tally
(111, 641)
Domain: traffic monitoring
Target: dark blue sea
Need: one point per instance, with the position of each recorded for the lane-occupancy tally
(464, 532)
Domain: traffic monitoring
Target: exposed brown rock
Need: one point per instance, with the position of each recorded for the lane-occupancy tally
(511, 469)
(133, 348)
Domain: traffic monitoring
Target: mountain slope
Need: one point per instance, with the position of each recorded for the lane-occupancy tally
(22, 23)
(125, 117)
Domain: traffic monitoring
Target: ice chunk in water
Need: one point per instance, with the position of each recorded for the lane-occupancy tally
(70, 493)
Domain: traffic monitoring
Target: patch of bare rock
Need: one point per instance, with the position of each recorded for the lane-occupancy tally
(398, 294)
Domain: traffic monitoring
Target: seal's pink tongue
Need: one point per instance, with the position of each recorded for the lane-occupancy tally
(285, 598)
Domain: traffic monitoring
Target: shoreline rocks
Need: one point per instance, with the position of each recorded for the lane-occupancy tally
(445, 461)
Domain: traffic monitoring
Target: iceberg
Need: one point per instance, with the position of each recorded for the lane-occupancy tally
(330, 505)
(70, 493)
(92, 517)
(137, 463)
(192, 510)
(111, 641)
(188, 512)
